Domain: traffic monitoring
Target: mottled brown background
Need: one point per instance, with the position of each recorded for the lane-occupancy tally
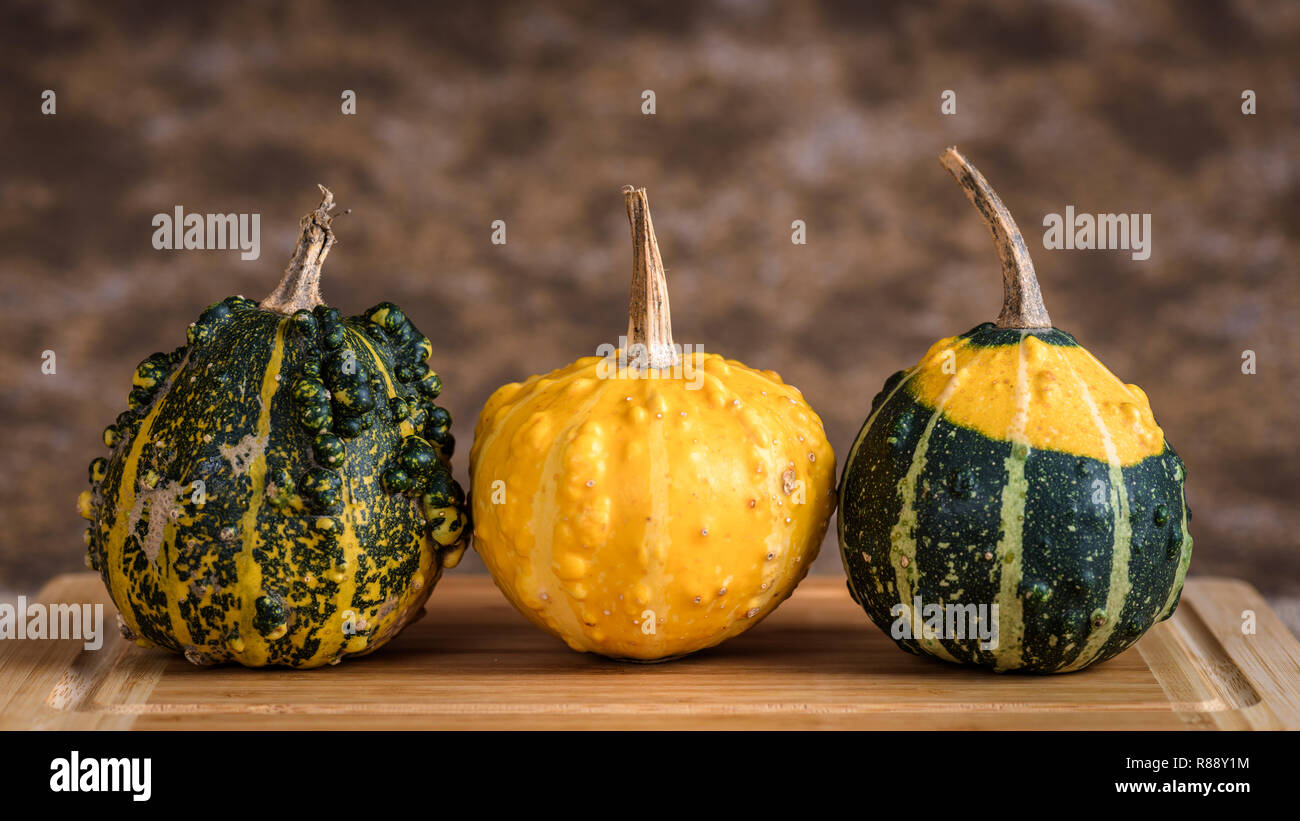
(767, 113)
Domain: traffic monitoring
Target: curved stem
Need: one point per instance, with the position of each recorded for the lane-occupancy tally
(649, 321)
(1022, 302)
(299, 289)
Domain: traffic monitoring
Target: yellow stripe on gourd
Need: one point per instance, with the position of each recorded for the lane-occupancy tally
(347, 585)
(902, 536)
(115, 543)
(1010, 549)
(247, 570)
(350, 543)
(1118, 585)
(405, 426)
(1058, 419)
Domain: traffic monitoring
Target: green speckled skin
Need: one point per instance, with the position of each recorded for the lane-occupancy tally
(241, 514)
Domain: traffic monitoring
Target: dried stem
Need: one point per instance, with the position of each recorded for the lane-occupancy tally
(649, 321)
(299, 289)
(1022, 302)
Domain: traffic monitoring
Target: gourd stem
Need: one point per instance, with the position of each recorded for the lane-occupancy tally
(1022, 302)
(649, 321)
(299, 289)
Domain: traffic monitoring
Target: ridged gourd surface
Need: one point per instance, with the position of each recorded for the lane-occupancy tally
(603, 501)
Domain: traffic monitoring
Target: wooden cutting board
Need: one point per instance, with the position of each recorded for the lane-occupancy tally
(473, 662)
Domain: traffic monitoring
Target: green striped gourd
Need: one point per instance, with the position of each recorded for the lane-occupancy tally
(1011, 468)
(278, 490)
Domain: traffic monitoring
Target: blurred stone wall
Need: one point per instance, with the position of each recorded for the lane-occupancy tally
(765, 113)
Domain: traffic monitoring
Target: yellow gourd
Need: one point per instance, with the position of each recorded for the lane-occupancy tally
(653, 501)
